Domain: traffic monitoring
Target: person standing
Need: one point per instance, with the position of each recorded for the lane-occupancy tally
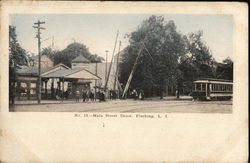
(102, 96)
(135, 94)
(84, 96)
(87, 95)
(111, 94)
(98, 95)
(91, 96)
(141, 95)
(77, 96)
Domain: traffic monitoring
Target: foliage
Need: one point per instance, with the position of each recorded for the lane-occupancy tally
(199, 50)
(176, 59)
(165, 46)
(225, 69)
(201, 57)
(73, 50)
(49, 52)
(17, 55)
(17, 58)
(197, 62)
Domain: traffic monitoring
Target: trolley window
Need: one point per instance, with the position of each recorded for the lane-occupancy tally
(203, 87)
(223, 88)
(215, 87)
(198, 86)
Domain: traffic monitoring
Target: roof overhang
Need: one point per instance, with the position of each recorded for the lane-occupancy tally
(72, 74)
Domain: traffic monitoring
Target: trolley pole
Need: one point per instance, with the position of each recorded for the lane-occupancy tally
(38, 27)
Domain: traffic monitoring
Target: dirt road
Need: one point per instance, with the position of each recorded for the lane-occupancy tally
(133, 106)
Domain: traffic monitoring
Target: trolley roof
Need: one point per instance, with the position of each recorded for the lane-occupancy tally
(215, 81)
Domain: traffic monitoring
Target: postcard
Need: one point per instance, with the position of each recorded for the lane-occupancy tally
(124, 81)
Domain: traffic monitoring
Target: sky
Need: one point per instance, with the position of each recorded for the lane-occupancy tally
(98, 31)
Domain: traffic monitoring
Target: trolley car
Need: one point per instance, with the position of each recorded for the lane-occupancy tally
(212, 89)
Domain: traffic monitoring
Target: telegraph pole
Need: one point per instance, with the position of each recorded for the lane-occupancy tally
(38, 27)
(106, 83)
(95, 80)
(132, 72)
(106, 68)
(117, 66)
(52, 43)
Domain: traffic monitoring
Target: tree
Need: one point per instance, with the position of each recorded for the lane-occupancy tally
(196, 63)
(17, 55)
(17, 58)
(49, 52)
(72, 51)
(201, 56)
(164, 44)
(95, 58)
(225, 69)
(177, 59)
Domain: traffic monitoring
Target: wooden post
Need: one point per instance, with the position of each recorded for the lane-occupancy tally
(28, 90)
(59, 87)
(95, 80)
(117, 66)
(62, 88)
(46, 81)
(206, 89)
(131, 74)
(52, 88)
(106, 82)
(18, 90)
(106, 65)
(38, 27)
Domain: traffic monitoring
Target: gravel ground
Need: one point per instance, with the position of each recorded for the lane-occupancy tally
(185, 105)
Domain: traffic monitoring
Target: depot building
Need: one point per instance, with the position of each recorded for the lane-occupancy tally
(60, 80)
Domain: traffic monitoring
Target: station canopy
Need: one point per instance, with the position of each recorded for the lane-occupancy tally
(33, 70)
(75, 73)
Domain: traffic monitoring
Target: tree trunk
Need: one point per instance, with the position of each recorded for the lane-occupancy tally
(12, 96)
(178, 92)
(161, 92)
